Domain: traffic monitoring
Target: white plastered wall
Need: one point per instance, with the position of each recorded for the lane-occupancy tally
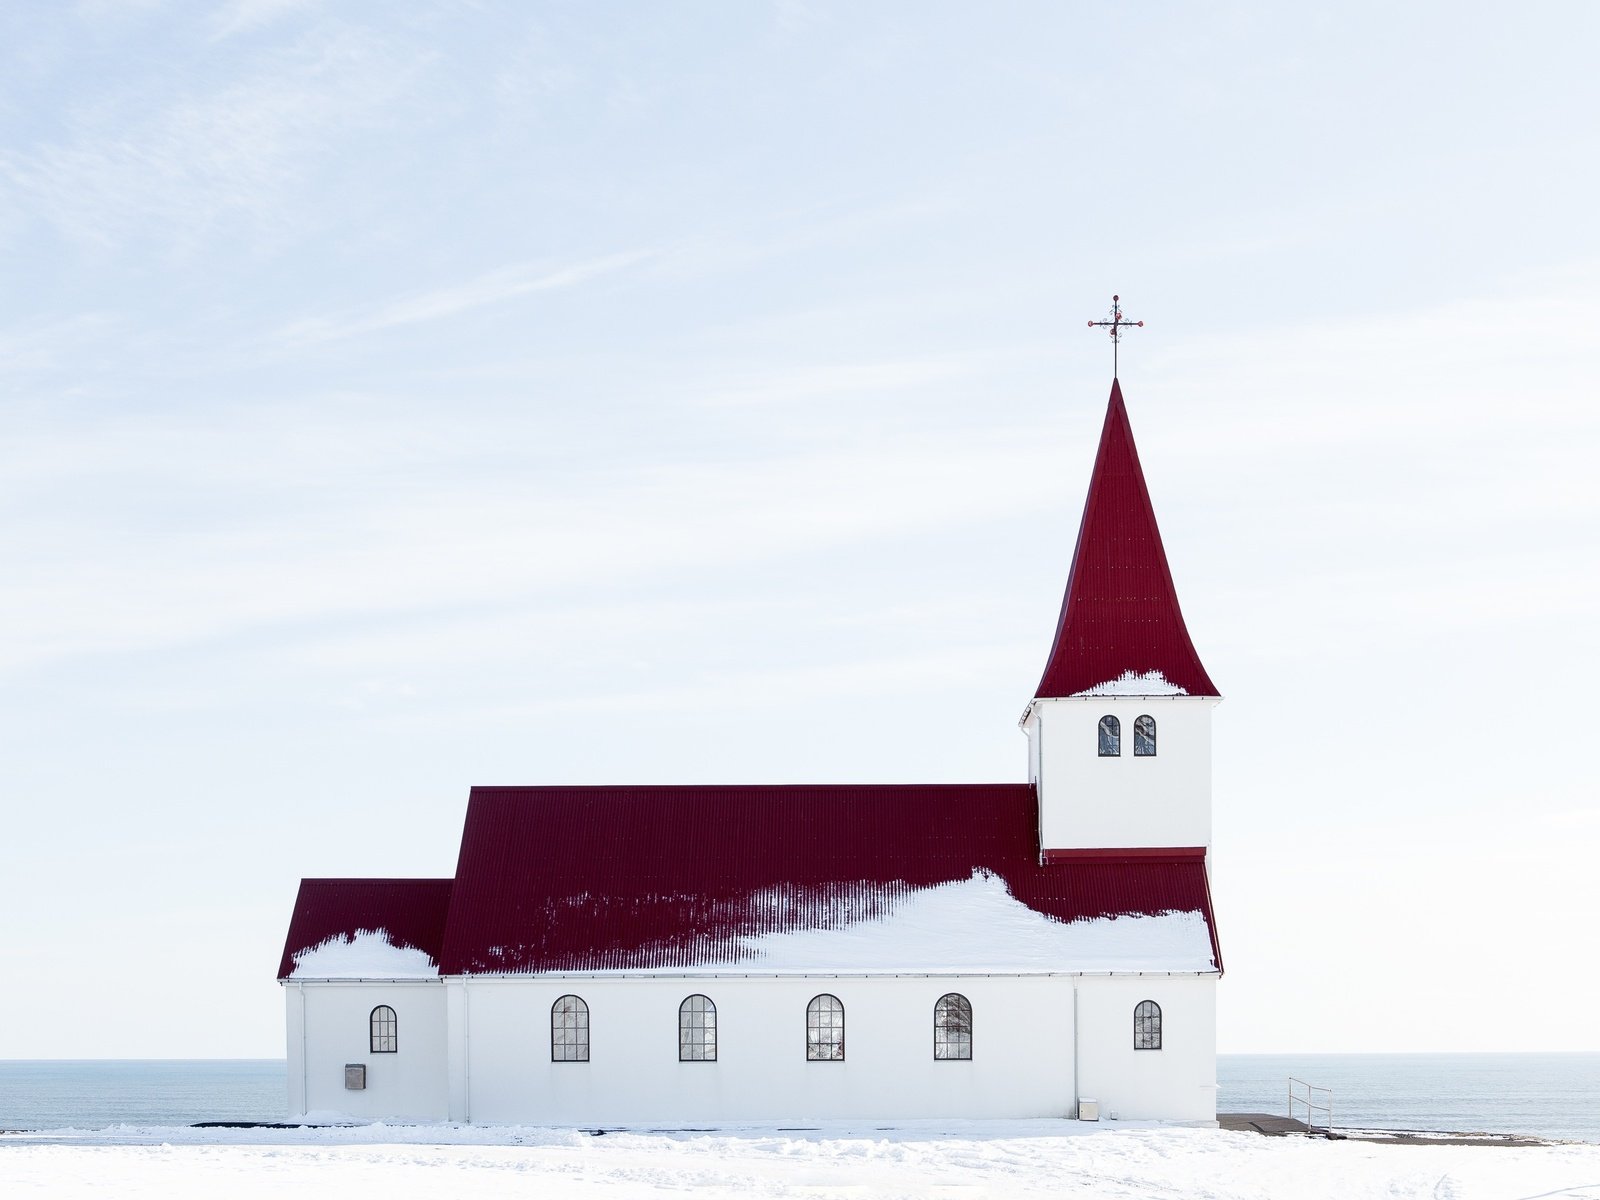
(499, 1070)
(1021, 1065)
(329, 1027)
(1175, 1083)
(1089, 802)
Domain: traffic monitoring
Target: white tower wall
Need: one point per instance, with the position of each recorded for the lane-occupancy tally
(1089, 802)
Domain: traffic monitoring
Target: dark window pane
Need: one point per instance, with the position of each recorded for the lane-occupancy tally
(697, 1030)
(825, 1029)
(569, 1030)
(1144, 737)
(1110, 737)
(383, 1029)
(952, 1027)
(1147, 1025)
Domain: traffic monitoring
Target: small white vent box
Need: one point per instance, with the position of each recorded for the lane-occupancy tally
(1088, 1110)
(355, 1077)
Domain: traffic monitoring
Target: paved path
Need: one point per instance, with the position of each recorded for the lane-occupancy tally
(1261, 1123)
(1281, 1126)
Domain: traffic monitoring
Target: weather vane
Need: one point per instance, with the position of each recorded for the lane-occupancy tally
(1116, 325)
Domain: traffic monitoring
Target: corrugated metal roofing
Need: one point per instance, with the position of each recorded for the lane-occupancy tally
(1120, 612)
(608, 878)
(411, 911)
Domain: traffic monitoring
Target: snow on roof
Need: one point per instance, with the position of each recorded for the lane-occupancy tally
(584, 879)
(366, 954)
(976, 925)
(1120, 613)
(410, 913)
(1147, 683)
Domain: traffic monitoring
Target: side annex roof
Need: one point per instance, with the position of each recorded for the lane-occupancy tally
(407, 914)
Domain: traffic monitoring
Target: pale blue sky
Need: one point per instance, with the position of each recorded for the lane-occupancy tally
(400, 397)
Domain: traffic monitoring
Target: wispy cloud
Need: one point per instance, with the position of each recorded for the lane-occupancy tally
(420, 547)
(811, 381)
(243, 16)
(44, 344)
(494, 287)
(178, 164)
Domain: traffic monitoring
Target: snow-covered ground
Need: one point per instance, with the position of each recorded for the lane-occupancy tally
(999, 1159)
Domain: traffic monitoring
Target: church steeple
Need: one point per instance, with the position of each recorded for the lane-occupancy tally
(1119, 732)
(1120, 626)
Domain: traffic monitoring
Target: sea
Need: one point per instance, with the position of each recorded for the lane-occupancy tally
(1547, 1095)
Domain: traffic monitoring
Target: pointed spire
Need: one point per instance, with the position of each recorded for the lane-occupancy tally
(1120, 616)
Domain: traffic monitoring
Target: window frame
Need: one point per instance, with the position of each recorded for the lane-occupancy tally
(817, 1028)
(579, 1023)
(1142, 723)
(1110, 725)
(706, 1028)
(1147, 1025)
(944, 1038)
(383, 1029)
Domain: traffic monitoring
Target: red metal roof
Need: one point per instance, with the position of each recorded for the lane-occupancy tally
(411, 911)
(606, 878)
(1120, 612)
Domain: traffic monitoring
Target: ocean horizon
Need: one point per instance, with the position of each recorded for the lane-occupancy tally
(1545, 1095)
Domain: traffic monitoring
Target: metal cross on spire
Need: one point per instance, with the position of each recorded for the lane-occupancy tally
(1116, 325)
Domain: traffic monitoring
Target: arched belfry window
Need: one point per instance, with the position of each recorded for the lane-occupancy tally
(1110, 737)
(697, 1030)
(1147, 1025)
(569, 1030)
(1144, 737)
(825, 1029)
(952, 1027)
(385, 1030)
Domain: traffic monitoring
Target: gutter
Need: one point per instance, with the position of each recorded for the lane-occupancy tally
(305, 1063)
(1075, 1116)
(778, 977)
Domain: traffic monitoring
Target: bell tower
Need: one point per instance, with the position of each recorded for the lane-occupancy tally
(1119, 730)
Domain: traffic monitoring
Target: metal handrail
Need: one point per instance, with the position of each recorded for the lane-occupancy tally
(1310, 1104)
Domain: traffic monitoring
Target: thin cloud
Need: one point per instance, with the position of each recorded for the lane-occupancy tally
(496, 287)
(187, 162)
(243, 16)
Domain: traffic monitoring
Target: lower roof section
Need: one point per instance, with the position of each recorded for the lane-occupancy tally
(366, 927)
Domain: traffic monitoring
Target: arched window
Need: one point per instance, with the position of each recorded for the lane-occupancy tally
(1110, 737)
(952, 1027)
(697, 1030)
(384, 1028)
(569, 1030)
(1147, 1025)
(825, 1029)
(1144, 737)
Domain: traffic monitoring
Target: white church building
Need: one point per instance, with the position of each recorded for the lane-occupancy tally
(701, 955)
